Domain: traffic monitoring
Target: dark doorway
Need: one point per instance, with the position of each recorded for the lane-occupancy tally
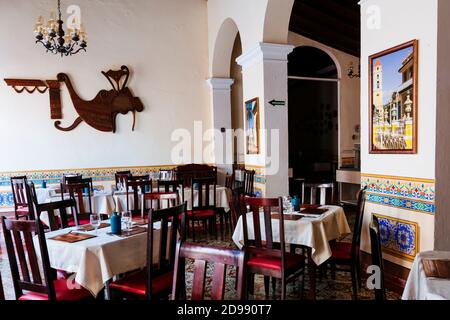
(313, 115)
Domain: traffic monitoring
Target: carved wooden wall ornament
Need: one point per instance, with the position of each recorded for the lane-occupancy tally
(100, 113)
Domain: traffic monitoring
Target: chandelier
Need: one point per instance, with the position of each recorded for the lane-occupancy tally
(53, 37)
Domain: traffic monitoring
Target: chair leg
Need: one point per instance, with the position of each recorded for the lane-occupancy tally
(283, 288)
(274, 286)
(267, 286)
(193, 230)
(333, 271)
(251, 283)
(354, 283)
(358, 272)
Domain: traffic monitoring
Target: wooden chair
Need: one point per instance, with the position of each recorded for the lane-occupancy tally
(203, 207)
(161, 200)
(76, 192)
(156, 280)
(268, 256)
(58, 216)
(166, 174)
(322, 187)
(348, 254)
(192, 171)
(377, 256)
(137, 186)
(35, 277)
(229, 181)
(71, 178)
(235, 206)
(21, 201)
(121, 177)
(145, 177)
(249, 181)
(171, 186)
(220, 258)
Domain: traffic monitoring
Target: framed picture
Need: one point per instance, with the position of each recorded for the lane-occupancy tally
(252, 126)
(393, 93)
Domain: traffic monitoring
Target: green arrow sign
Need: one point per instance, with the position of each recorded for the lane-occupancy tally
(277, 103)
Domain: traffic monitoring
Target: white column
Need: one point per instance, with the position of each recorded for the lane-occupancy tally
(221, 120)
(265, 76)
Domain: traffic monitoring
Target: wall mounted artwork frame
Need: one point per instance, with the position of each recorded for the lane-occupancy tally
(252, 126)
(393, 100)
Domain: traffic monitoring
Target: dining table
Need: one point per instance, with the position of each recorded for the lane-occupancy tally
(419, 286)
(97, 260)
(313, 231)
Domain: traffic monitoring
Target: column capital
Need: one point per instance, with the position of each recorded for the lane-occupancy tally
(220, 83)
(265, 52)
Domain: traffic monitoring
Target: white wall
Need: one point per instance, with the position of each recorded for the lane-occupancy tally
(402, 21)
(165, 44)
(349, 113)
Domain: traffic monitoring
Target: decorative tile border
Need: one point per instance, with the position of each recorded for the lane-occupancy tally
(54, 176)
(399, 238)
(400, 192)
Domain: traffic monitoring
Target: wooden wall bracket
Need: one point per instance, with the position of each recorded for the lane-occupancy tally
(100, 113)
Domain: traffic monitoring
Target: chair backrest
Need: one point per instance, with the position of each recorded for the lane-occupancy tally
(201, 194)
(121, 177)
(145, 177)
(26, 269)
(71, 178)
(162, 200)
(77, 192)
(356, 238)
(377, 256)
(58, 213)
(191, 171)
(220, 258)
(166, 174)
(172, 223)
(261, 210)
(18, 186)
(171, 186)
(249, 181)
(235, 204)
(229, 181)
(139, 185)
(322, 187)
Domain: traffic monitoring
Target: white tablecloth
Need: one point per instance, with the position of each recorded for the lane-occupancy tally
(102, 203)
(419, 287)
(313, 232)
(97, 260)
(221, 197)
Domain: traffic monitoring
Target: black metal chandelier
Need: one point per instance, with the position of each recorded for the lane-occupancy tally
(53, 37)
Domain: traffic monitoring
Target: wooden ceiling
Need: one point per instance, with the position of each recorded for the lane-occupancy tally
(336, 23)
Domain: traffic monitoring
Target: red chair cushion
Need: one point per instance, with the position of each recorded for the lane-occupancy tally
(136, 283)
(63, 293)
(202, 213)
(293, 262)
(81, 221)
(341, 250)
(23, 210)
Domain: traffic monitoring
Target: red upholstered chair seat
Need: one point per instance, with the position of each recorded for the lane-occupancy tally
(81, 221)
(136, 283)
(63, 293)
(22, 210)
(341, 250)
(293, 262)
(202, 213)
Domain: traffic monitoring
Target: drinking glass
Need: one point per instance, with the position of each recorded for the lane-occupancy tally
(95, 221)
(127, 220)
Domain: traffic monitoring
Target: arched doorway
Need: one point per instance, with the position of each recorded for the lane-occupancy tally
(237, 108)
(313, 92)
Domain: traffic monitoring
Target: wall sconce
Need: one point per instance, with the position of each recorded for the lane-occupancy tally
(351, 73)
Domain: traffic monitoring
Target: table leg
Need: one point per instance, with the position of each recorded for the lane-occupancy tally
(312, 276)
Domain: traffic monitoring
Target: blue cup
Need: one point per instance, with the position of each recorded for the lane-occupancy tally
(296, 203)
(86, 190)
(146, 188)
(116, 223)
(44, 184)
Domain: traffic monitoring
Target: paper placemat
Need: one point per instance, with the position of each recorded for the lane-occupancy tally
(313, 211)
(132, 232)
(89, 227)
(73, 237)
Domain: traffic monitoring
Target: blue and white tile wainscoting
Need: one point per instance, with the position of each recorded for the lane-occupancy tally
(405, 208)
(103, 178)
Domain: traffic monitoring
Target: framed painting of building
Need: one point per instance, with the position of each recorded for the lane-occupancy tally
(393, 92)
(252, 126)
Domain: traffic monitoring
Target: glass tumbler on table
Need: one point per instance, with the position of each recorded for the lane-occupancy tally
(127, 220)
(95, 221)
